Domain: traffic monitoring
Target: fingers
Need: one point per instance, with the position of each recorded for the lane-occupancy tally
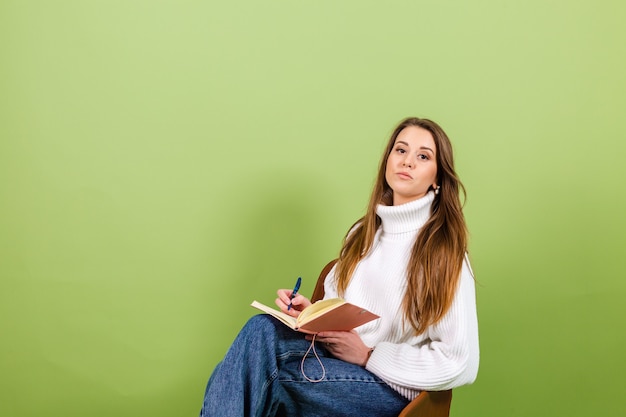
(294, 311)
(298, 303)
(346, 346)
(284, 297)
(331, 338)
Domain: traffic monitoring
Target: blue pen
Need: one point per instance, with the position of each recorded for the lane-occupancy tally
(295, 291)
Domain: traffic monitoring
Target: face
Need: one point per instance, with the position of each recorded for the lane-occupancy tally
(412, 165)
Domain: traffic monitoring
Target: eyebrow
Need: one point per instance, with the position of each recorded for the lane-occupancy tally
(421, 147)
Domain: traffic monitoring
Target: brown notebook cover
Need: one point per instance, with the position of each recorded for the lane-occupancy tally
(334, 314)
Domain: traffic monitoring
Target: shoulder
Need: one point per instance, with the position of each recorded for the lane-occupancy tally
(467, 266)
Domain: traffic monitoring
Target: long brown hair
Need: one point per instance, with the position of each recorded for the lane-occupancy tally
(437, 256)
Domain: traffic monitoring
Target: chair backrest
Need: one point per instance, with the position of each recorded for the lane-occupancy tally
(318, 292)
(427, 403)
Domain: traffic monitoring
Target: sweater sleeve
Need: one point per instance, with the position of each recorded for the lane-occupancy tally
(446, 357)
(330, 284)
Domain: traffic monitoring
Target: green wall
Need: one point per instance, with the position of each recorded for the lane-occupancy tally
(164, 163)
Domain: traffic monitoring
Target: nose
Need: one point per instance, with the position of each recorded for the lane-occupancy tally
(407, 161)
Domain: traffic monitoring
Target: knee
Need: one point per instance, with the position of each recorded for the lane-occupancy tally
(259, 326)
(261, 322)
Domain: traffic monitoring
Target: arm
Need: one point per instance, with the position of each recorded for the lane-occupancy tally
(446, 356)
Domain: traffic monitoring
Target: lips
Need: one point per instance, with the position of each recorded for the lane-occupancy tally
(405, 175)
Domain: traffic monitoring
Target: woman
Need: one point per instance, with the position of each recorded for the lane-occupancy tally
(405, 260)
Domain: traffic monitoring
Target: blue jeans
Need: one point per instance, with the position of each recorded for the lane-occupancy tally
(260, 376)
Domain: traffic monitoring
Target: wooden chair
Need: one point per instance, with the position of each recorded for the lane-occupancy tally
(427, 403)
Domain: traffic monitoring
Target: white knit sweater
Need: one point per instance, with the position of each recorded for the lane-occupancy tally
(446, 354)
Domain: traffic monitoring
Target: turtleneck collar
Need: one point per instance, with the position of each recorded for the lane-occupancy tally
(407, 217)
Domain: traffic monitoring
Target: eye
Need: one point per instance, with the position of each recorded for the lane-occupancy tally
(423, 157)
(400, 150)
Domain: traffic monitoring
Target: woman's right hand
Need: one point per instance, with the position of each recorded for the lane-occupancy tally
(298, 303)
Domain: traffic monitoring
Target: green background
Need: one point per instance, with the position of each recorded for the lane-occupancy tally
(164, 163)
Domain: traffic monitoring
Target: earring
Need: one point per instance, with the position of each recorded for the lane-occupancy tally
(437, 190)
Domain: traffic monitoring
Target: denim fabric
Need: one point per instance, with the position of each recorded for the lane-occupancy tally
(260, 376)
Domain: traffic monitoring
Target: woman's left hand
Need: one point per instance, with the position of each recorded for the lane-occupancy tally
(346, 346)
